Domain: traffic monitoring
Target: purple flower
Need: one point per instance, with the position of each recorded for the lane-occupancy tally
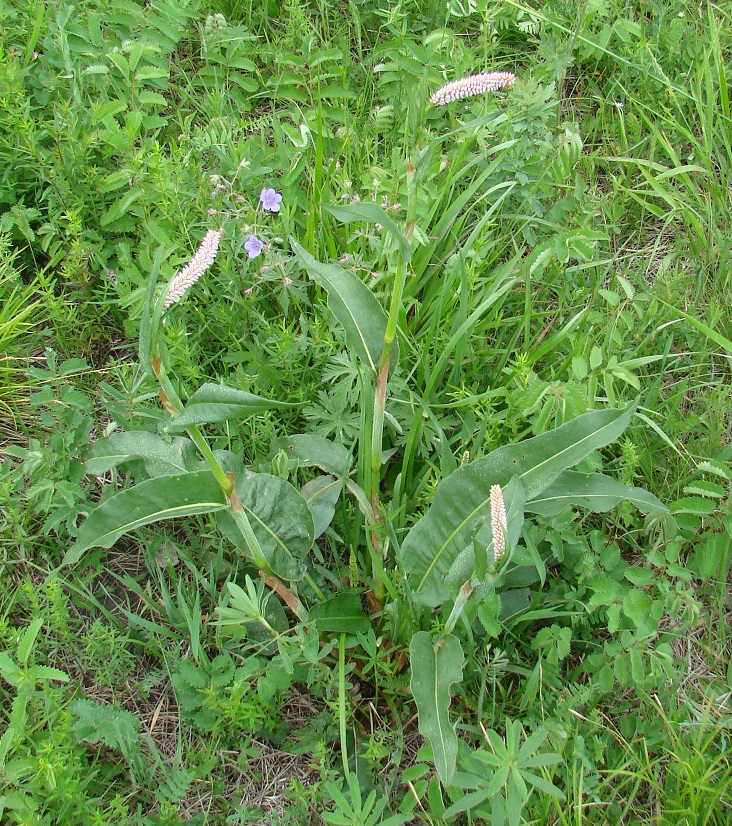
(270, 200)
(253, 246)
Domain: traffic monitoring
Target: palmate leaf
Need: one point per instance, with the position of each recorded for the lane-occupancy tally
(354, 306)
(164, 497)
(435, 669)
(462, 501)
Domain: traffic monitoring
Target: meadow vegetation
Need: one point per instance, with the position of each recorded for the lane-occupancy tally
(365, 455)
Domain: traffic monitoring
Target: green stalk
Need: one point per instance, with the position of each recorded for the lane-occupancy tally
(314, 585)
(382, 377)
(342, 702)
(377, 535)
(151, 351)
(174, 405)
(457, 609)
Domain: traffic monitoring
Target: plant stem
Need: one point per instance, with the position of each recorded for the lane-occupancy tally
(382, 376)
(457, 609)
(342, 702)
(172, 403)
(395, 307)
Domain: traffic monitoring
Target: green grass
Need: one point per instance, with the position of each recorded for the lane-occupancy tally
(570, 252)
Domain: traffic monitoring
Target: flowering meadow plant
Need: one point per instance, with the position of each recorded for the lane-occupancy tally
(452, 560)
(270, 200)
(253, 246)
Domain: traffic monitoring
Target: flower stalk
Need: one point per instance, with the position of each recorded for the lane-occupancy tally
(381, 383)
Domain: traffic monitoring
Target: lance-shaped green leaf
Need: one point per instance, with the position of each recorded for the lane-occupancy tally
(161, 457)
(354, 306)
(462, 501)
(165, 497)
(435, 669)
(341, 615)
(280, 519)
(219, 403)
(372, 214)
(314, 451)
(594, 491)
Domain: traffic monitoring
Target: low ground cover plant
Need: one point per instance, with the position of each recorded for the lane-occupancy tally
(367, 393)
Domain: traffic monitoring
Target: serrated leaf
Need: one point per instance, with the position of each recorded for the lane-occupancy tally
(341, 615)
(27, 641)
(537, 260)
(715, 468)
(99, 723)
(640, 576)
(462, 500)
(693, 504)
(434, 671)
(354, 306)
(47, 672)
(161, 457)
(637, 606)
(594, 491)
(219, 403)
(605, 591)
(702, 488)
(710, 553)
(165, 497)
(149, 98)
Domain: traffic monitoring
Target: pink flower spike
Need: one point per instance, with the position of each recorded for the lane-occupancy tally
(270, 200)
(473, 85)
(195, 268)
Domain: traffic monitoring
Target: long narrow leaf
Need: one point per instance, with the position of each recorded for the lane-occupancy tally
(594, 491)
(217, 403)
(165, 497)
(435, 669)
(354, 306)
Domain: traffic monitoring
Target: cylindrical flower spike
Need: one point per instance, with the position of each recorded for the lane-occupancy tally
(499, 523)
(195, 268)
(467, 87)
